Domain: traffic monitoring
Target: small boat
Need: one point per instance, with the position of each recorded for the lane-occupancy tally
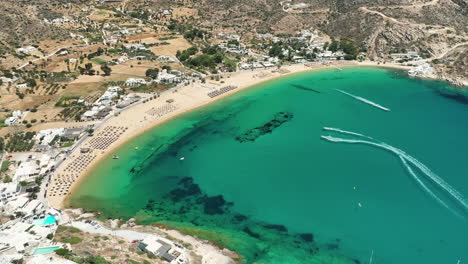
(182, 158)
(115, 157)
(136, 147)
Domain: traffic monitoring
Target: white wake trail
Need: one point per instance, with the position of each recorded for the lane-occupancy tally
(345, 132)
(432, 194)
(364, 100)
(449, 189)
(434, 177)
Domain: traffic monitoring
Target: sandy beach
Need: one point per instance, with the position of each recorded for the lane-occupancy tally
(139, 118)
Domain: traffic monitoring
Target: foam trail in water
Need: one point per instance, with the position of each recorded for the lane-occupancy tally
(433, 195)
(434, 177)
(364, 100)
(345, 132)
(455, 194)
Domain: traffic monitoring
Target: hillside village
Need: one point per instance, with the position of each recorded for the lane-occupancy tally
(110, 56)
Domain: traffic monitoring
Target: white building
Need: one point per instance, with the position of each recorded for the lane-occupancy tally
(76, 36)
(10, 121)
(88, 115)
(257, 65)
(22, 85)
(106, 99)
(164, 76)
(14, 204)
(409, 54)
(122, 60)
(114, 89)
(136, 47)
(134, 82)
(17, 113)
(8, 190)
(422, 69)
(245, 66)
(26, 50)
(26, 170)
(264, 36)
(160, 248)
(32, 207)
(17, 236)
(165, 58)
(7, 80)
(44, 137)
(267, 64)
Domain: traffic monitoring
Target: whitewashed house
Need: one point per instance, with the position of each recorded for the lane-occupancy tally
(164, 76)
(135, 82)
(26, 50)
(10, 121)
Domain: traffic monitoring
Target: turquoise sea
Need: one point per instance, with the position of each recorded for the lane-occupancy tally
(291, 196)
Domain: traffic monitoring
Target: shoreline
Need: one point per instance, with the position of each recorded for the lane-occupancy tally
(188, 98)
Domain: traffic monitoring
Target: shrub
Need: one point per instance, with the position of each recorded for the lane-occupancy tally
(71, 240)
(61, 229)
(74, 229)
(63, 252)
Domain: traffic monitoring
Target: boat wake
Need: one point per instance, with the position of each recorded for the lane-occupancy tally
(345, 132)
(421, 183)
(406, 160)
(364, 100)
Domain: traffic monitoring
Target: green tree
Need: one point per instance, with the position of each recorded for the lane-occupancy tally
(63, 252)
(106, 69)
(152, 73)
(276, 50)
(334, 46)
(7, 179)
(23, 183)
(89, 69)
(350, 48)
(2, 144)
(31, 82)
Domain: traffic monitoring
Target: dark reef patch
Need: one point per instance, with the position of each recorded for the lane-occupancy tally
(213, 205)
(335, 245)
(251, 233)
(304, 88)
(254, 133)
(455, 95)
(307, 237)
(240, 217)
(280, 228)
(187, 189)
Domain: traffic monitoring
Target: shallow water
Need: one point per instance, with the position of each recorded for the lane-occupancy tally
(290, 196)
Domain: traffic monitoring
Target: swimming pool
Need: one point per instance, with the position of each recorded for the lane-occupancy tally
(47, 221)
(45, 250)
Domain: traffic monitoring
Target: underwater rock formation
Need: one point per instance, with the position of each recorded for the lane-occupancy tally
(304, 88)
(254, 133)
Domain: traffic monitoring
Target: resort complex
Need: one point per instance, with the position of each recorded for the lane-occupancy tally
(207, 131)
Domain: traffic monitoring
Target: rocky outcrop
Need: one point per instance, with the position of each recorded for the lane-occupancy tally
(254, 133)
